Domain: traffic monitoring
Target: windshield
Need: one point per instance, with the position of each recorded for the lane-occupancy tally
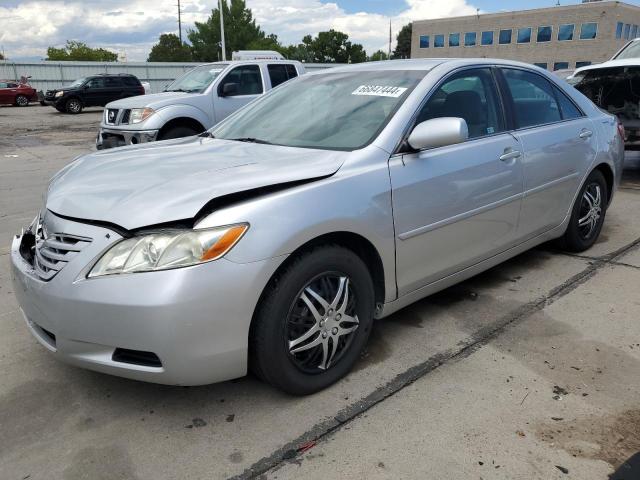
(335, 111)
(631, 51)
(196, 80)
(78, 82)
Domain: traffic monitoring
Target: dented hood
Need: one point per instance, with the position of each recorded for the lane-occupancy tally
(145, 185)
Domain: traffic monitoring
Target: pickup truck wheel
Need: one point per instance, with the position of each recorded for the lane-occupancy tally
(177, 132)
(313, 321)
(22, 101)
(73, 106)
(587, 216)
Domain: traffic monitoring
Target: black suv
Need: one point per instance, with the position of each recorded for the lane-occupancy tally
(94, 91)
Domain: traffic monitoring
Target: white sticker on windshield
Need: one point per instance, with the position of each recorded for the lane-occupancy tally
(379, 91)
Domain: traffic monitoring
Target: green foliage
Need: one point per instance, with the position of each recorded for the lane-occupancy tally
(328, 47)
(1, 56)
(379, 55)
(240, 28)
(81, 51)
(169, 49)
(403, 48)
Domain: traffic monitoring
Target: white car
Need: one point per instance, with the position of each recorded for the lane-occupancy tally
(195, 102)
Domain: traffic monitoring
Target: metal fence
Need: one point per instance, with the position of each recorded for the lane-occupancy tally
(47, 75)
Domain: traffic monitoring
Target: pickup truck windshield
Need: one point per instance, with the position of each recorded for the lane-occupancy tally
(332, 111)
(196, 80)
(632, 51)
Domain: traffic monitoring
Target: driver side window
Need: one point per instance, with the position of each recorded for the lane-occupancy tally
(471, 95)
(247, 77)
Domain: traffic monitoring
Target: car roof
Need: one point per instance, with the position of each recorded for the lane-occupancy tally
(422, 64)
(240, 62)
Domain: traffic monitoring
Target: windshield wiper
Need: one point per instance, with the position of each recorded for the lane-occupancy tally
(181, 90)
(251, 140)
(206, 135)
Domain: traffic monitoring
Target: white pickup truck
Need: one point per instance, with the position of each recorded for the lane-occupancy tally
(193, 103)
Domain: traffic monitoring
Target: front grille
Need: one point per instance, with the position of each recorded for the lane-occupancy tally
(54, 251)
(125, 116)
(112, 116)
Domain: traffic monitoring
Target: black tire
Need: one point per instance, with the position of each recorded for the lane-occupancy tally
(42, 102)
(73, 106)
(270, 358)
(22, 101)
(579, 238)
(177, 132)
(60, 109)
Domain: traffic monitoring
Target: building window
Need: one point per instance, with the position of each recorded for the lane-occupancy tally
(619, 28)
(487, 38)
(424, 41)
(627, 31)
(560, 66)
(524, 35)
(454, 39)
(582, 64)
(505, 37)
(438, 41)
(634, 31)
(565, 32)
(470, 39)
(544, 34)
(541, 65)
(588, 31)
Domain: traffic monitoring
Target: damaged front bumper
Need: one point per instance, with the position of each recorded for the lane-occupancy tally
(112, 137)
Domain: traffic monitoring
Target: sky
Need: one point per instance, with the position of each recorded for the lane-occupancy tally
(131, 27)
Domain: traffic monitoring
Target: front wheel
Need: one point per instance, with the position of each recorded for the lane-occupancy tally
(587, 216)
(22, 101)
(177, 132)
(74, 106)
(313, 322)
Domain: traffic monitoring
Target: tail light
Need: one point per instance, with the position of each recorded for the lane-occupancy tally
(620, 130)
(141, 90)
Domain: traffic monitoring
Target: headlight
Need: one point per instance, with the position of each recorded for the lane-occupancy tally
(140, 114)
(169, 249)
(59, 94)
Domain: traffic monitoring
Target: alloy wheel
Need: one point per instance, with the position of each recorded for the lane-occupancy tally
(321, 322)
(22, 101)
(590, 210)
(73, 106)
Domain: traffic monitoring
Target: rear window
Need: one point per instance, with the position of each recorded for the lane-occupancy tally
(112, 82)
(280, 73)
(533, 98)
(130, 81)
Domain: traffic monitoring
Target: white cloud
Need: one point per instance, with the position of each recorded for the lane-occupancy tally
(133, 26)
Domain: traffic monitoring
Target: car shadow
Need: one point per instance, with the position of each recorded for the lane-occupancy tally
(629, 470)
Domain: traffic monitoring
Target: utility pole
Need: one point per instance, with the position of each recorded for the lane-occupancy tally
(390, 37)
(224, 50)
(179, 22)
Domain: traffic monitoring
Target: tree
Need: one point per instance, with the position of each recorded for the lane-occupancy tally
(403, 47)
(240, 28)
(169, 49)
(1, 56)
(379, 55)
(81, 51)
(328, 47)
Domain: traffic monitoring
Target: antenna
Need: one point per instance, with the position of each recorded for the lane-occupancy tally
(390, 37)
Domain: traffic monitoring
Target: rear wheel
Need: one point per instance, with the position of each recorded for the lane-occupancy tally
(178, 132)
(313, 321)
(588, 214)
(22, 101)
(73, 106)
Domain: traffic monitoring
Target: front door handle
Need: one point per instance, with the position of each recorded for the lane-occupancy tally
(512, 155)
(586, 133)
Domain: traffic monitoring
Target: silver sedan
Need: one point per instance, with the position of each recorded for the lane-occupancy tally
(274, 240)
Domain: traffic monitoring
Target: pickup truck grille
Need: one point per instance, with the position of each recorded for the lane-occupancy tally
(54, 251)
(115, 116)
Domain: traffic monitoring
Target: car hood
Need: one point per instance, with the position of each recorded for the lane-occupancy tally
(157, 100)
(145, 185)
(625, 62)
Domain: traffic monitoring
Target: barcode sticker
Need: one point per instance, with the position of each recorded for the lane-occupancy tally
(379, 91)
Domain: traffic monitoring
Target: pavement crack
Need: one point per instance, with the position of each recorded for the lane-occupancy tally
(476, 341)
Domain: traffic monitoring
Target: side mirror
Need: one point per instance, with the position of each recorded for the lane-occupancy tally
(438, 132)
(230, 89)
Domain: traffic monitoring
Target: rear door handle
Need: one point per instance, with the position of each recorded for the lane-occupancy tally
(586, 133)
(512, 155)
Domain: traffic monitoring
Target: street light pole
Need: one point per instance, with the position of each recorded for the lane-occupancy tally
(224, 50)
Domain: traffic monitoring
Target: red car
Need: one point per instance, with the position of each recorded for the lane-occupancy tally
(16, 93)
